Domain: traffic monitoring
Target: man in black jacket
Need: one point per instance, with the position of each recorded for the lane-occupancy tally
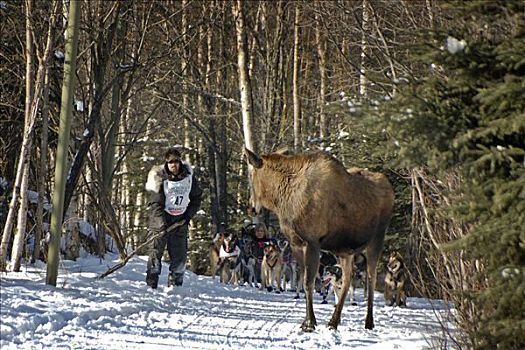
(175, 197)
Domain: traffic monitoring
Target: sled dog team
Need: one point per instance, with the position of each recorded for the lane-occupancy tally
(257, 260)
(235, 263)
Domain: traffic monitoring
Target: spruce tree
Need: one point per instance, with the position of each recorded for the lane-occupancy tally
(467, 115)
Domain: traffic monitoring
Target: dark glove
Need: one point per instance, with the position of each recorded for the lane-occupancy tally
(186, 219)
(157, 223)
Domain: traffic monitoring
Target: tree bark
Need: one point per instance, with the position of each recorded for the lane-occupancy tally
(20, 235)
(19, 239)
(363, 81)
(296, 72)
(100, 53)
(321, 52)
(68, 88)
(42, 172)
(125, 204)
(139, 203)
(71, 236)
(388, 55)
(184, 75)
(244, 78)
(428, 5)
(273, 81)
(109, 135)
(222, 139)
(31, 110)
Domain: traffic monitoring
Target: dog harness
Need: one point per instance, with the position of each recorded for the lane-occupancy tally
(223, 254)
(271, 265)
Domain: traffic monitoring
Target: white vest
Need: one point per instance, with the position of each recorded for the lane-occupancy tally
(177, 195)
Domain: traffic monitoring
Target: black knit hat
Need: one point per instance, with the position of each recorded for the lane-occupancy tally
(172, 154)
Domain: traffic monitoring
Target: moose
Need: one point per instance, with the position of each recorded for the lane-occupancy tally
(323, 206)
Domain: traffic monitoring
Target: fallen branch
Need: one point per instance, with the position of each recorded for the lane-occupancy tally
(124, 261)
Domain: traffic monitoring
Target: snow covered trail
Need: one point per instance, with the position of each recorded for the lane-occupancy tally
(120, 312)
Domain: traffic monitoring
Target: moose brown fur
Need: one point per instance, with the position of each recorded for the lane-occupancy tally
(322, 206)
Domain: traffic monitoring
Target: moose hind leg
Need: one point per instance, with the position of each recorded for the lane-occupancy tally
(347, 263)
(311, 266)
(373, 252)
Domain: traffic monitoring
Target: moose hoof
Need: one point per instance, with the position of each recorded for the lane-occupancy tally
(333, 324)
(269, 289)
(308, 326)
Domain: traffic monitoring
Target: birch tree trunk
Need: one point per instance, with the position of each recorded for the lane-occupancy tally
(71, 236)
(125, 204)
(428, 5)
(20, 233)
(203, 109)
(364, 49)
(42, 172)
(88, 208)
(100, 52)
(244, 88)
(63, 140)
(222, 139)
(19, 239)
(184, 76)
(295, 92)
(244, 78)
(283, 91)
(321, 52)
(211, 147)
(33, 93)
(252, 46)
(389, 55)
(273, 81)
(137, 222)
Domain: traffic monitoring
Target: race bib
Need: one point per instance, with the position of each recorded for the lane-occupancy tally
(177, 195)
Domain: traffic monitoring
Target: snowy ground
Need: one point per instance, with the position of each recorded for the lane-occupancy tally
(119, 312)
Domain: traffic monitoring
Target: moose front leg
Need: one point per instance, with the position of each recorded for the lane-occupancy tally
(311, 266)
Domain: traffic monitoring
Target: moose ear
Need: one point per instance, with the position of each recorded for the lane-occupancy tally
(253, 158)
(284, 151)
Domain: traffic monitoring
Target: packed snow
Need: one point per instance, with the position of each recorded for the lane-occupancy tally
(120, 312)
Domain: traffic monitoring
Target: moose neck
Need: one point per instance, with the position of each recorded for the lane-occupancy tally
(283, 182)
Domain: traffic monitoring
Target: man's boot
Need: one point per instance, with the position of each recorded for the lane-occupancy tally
(152, 280)
(174, 280)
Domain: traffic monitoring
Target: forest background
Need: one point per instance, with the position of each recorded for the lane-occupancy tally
(428, 92)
